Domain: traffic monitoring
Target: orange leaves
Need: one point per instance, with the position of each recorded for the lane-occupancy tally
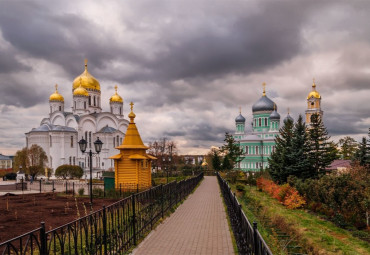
(285, 194)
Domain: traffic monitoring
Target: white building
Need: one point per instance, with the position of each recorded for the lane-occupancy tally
(60, 132)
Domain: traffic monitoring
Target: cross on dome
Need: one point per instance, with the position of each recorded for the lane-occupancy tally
(264, 88)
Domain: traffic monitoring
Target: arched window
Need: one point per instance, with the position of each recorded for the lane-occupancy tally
(86, 136)
(84, 105)
(70, 160)
(50, 141)
(71, 141)
(94, 101)
(89, 139)
(114, 142)
(246, 149)
(60, 108)
(266, 122)
(120, 111)
(256, 150)
(75, 104)
(117, 140)
(259, 122)
(89, 100)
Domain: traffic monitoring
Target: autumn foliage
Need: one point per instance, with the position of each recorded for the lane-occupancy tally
(285, 194)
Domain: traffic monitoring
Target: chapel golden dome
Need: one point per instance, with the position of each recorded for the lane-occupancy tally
(314, 93)
(116, 97)
(56, 96)
(87, 80)
(80, 91)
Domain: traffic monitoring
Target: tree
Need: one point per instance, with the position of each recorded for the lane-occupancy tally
(322, 152)
(69, 171)
(165, 150)
(226, 164)
(361, 152)
(33, 160)
(38, 159)
(348, 147)
(281, 157)
(216, 160)
(301, 165)
(232, 151)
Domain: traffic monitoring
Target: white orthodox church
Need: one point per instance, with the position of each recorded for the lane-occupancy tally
(60, 132)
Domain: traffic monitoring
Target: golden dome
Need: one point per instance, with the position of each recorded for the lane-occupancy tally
(87, 80)
(56, 96)
(314, 93)
(132, 115)
(80, 91)
(116, 97)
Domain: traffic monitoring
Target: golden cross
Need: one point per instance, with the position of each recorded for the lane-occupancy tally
(115, 87)
(264, 88)
(85, 61)
(274, 106)
(56, 87)
(240, 110)
(132, 105)
(288, 110)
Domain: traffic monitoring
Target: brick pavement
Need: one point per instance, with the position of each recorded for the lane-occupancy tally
(198, 226)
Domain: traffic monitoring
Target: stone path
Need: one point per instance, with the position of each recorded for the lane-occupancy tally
(198, 226)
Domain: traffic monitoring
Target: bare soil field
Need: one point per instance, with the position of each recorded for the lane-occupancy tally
(22, 213)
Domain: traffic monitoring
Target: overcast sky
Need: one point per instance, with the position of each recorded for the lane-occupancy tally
(187, 65)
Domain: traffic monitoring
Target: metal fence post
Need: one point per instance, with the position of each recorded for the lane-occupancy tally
(120, 190)
(40, 185)
(162, 199)
(53, 187)
(73, 187)
(133, 218)
(43, 248)
(255, 241)
(22, 183)
(66, 187)
(105, 231)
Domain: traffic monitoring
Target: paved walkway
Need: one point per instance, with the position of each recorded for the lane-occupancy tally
(198, 226)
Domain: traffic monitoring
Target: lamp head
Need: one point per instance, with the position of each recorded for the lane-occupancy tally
(83, 144)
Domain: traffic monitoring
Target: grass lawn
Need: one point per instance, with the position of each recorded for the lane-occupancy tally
(314, 234)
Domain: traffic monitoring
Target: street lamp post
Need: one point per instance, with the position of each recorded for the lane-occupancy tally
(98, 145)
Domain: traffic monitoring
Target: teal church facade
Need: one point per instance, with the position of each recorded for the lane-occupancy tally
(258, 144)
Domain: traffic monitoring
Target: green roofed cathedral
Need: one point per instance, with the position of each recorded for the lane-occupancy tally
(258, 144)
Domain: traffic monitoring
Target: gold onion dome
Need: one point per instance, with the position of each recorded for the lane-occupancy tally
(86, 80)
(116, 97)
(80, 91)
(314, 93)
(56, 96)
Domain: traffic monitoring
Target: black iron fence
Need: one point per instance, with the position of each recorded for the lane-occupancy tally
(248, 238)
(111, 230)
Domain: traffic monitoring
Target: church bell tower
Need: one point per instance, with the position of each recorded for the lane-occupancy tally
(313, 104)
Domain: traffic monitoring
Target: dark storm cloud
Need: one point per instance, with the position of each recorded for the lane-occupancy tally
(17, 93)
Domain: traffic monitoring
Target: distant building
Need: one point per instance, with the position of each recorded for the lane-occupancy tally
(260, 143)
(339, 166)
(313, 104)
(5, 162)
(59, 133)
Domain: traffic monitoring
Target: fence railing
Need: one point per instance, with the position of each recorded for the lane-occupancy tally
(111, 230)
(248, 238)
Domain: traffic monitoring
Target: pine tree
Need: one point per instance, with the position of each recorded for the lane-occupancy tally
(281, 157)
(360, 154)
(232, 150)
(226, 164)
(322, 152)
(348, 147)
(216, 161)
(301, 166)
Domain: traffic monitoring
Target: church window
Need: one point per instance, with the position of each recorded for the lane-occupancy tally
(120, 111)
(94, 101)
(70, 160)
(89, 100)
(265, 121)
(246, 149)
(89, 139)
(259, 122)
(60, 108)
(74, 160)
(50, 141)
(71, 141)
(84, 105)
(117, 139)
(50, 109)
(114, 142)
(75, 105)
(51, 162)
(257, 150)
(120, 140)
(255, 122)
